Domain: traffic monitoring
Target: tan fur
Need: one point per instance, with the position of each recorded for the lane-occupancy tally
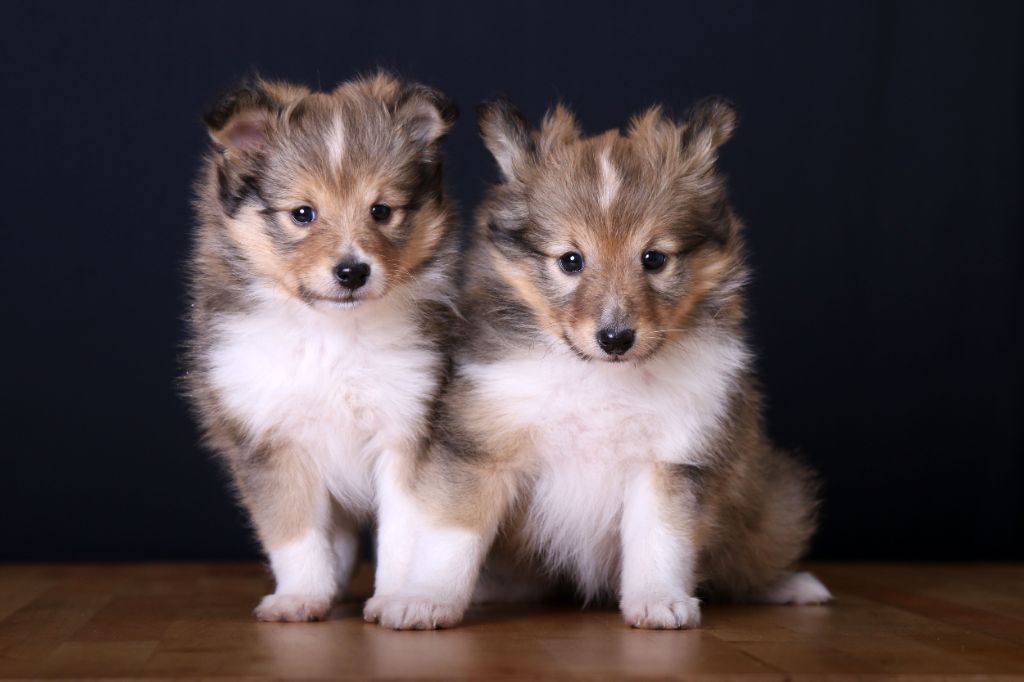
(282, 492)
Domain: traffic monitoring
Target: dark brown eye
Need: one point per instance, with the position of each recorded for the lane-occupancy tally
(304, 215)
(380, 212)
(654, 260)
(571, 262)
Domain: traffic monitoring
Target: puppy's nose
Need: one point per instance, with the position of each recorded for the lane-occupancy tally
(615, 341)
(352, 275)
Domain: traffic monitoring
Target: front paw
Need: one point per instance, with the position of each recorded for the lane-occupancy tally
(292, 608)
(661, 614)
(411, 613)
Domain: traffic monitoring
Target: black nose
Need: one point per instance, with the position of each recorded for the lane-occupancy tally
(615, 341)
(352, 275)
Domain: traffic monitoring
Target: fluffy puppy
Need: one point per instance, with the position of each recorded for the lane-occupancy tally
(603, 413)
(321, 296)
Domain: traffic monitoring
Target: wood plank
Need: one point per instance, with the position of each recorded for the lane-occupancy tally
(941, 594)
(194, 620)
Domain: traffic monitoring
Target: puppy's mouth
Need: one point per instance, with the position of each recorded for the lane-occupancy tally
(338, 302)
(636, 355)
(342, 303)
(630, 357)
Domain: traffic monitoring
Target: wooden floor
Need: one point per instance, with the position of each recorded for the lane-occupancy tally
(190, 620)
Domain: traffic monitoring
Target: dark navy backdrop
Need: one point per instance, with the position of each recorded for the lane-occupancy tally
(878, 165)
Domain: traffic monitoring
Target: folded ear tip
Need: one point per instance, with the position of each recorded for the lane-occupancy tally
(716, 106)
(497, 110)
(486, 110)
(217, 116)
(248, 93)
(251, 79)
(238, 119)
(720, 101)
(716, 115)
(484, 115)
(212, 120)
(447, 106)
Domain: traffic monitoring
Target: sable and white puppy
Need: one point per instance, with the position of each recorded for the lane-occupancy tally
(603, 413)
(321, 298)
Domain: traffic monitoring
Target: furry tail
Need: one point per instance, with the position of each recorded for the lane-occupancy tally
(794, 588)
(764, 543)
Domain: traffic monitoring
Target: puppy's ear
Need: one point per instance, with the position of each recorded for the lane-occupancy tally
(244, 120)
(240, 126)
(425, 113)
(509, 137)
(241, 123)
(558, 128)
(709, 124)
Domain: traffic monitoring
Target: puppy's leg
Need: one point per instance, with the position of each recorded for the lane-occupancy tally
(397, 516)
(440, 582)
(658, 553)
(345, 545)
(291, 510)
(459, 513)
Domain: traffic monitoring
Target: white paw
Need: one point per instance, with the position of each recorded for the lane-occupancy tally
(293, 608)
(798, 589)
(411, 613)
(661, 614)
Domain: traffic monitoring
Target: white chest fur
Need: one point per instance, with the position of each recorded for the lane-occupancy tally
(339, 385)
(592, 424)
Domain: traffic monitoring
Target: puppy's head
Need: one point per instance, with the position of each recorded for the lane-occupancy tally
(616, 243)
(334, 198)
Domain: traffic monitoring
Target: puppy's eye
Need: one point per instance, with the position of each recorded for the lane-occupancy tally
(570, 262)
(654, 260)
(304, 215)
(380, 212)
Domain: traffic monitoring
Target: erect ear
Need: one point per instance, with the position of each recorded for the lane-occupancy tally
(709, 124)
(509, 137)
(426, 113)
(558, 128)
(241, 122)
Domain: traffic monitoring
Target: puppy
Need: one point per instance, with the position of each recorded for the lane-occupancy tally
(321, 287)
(603, 411)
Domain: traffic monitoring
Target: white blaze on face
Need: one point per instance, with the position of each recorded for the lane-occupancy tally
(336, 142)
(609, 182)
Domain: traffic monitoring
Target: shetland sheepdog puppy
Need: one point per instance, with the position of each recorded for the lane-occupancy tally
(603, 418)
(321, 288)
